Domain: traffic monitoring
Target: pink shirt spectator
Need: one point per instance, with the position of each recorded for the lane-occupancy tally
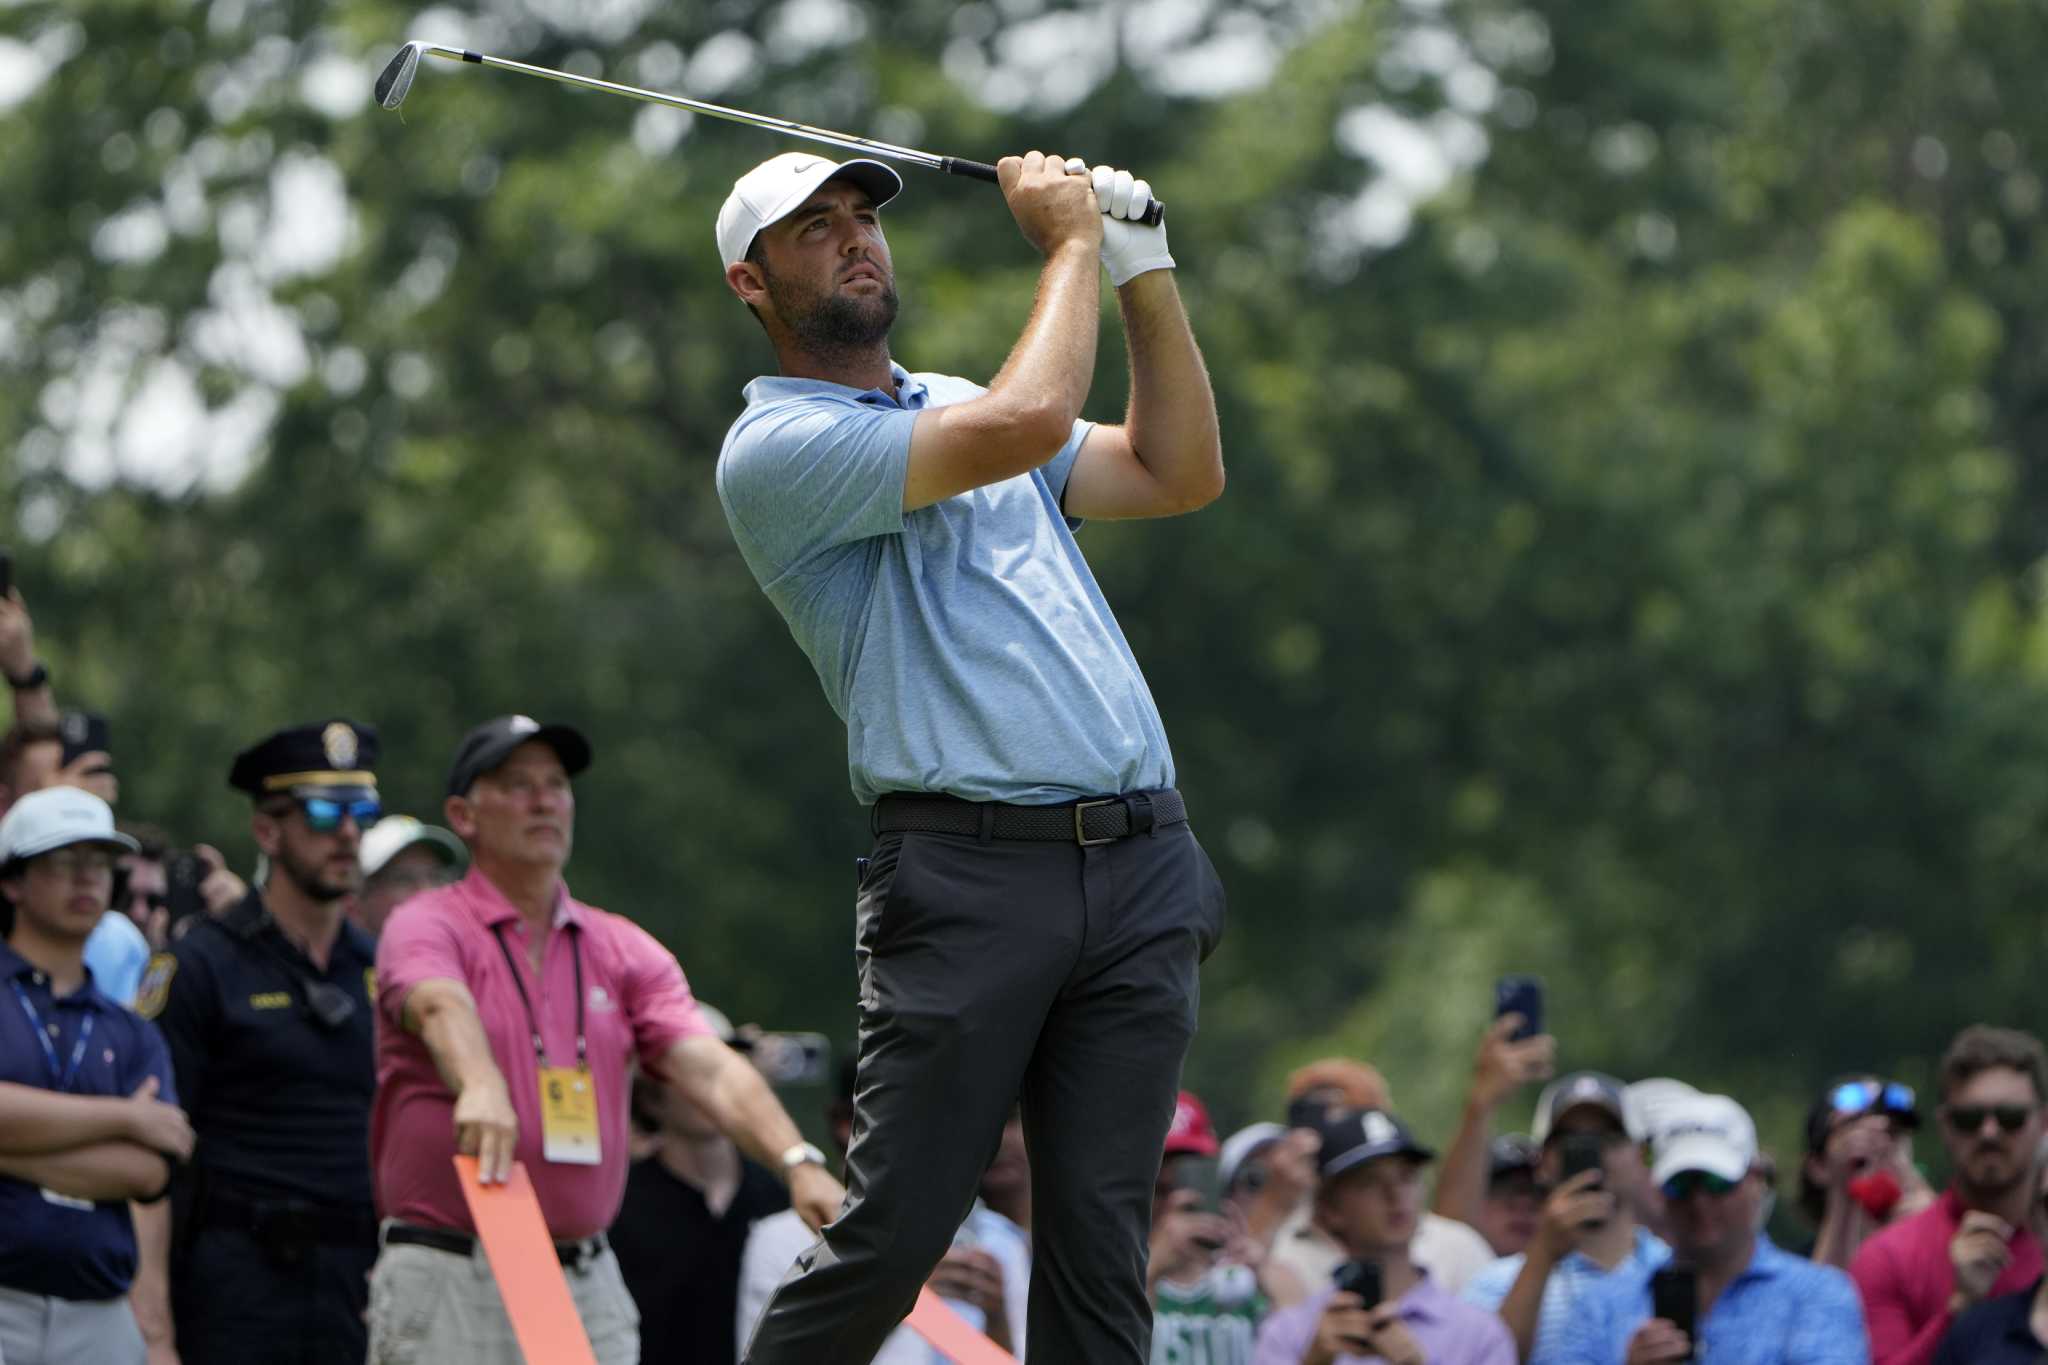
(636, 1003)
(1906, 1278)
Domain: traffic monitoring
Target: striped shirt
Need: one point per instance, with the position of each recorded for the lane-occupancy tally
(1571, 1280)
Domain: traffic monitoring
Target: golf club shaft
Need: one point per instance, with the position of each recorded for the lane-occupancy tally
(951, 165)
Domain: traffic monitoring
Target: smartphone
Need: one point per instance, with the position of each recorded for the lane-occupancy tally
(1307, 1113)
(183, 872)
(1521, 995)
(1675, 1297)
(6, 572)
(1204, 1176)
(793, 1058)
(1581, 1152)
(83, 732)
(1363, 1279)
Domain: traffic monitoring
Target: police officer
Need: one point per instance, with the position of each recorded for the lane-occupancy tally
(267, 1012)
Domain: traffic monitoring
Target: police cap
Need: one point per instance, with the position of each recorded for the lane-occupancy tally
(335, 757)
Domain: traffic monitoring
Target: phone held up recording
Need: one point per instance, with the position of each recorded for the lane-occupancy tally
(1521, 995)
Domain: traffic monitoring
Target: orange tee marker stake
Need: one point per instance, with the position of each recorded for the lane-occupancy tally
(935, 1321)
(528, 1272)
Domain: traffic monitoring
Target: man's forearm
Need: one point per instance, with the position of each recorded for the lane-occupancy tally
(1461, 1176)
(35, 708)
(1522, 1309)
(447, 1022)
(101, 1172)
(34, 1121)
(1053, 363)
(746, 1109)
(150, 1295)
(1172, 416)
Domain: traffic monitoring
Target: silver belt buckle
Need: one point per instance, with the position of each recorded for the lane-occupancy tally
(1080, 835)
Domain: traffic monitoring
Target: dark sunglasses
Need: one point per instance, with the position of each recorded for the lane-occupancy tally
(1686, 1184)
(324, 815)
(1968, 1118)
(1889, 1098)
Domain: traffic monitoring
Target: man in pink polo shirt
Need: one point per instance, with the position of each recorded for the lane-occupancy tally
(1917, 1276)
(508, 1019)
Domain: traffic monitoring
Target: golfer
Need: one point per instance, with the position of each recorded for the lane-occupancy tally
(1032, 914)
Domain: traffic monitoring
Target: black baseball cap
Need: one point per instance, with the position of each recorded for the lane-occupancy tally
(1361, 1135)
(1512, 1154)
(491, 743)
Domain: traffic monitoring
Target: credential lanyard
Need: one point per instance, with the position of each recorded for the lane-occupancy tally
(540, 1048)
(61, 1079)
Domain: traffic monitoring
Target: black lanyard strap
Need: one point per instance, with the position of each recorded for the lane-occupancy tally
(540, 1048)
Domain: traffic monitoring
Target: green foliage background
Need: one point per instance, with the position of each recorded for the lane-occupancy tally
(1631, 569)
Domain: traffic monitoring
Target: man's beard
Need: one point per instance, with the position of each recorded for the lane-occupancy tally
(308, 878)
(832, 323)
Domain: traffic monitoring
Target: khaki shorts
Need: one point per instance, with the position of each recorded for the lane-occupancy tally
(430, 1307)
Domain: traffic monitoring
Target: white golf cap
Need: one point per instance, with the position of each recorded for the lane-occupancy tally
(57, 817)
(394, 834)
(1650, 1100)
(1242, 1145)
(1710, 1133)
(778, 187)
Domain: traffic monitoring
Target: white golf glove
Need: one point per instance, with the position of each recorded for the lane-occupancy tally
(1129, 247)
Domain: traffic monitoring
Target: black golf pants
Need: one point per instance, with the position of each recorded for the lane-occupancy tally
(992, 971)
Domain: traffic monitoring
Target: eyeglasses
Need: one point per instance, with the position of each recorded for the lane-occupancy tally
(1686, 1184)
(79, 862)
(1968, 1118)
(324, 814)
(1861, 1097)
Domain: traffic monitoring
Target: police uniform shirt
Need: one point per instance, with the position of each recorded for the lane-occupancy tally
(54, 1245)
(280, 1101)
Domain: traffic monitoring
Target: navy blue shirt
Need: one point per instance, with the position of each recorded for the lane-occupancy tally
(280, 1100)
(1995, 1332)
(53, 1245)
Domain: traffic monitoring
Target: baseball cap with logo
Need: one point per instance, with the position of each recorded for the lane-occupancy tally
(491, 743)
(1350, 1140)
(1191, 1134)
(1587, 1089)
(58, 817)
(1710, 1133)
(778, 187)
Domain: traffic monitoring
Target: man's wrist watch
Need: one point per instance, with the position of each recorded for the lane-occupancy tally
(803, 1154)
(35, 678)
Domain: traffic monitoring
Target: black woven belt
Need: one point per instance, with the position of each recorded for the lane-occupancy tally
(575, 1255)
(1085, 822)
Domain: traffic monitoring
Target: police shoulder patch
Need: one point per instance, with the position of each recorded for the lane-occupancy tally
(155, 989)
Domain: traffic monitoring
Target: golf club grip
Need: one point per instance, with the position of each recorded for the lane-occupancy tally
(981, 170)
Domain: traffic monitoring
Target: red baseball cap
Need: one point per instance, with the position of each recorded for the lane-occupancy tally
(1191, 1134)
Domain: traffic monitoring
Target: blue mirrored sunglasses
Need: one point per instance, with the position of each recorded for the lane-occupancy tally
(1685, 1184)
(1861, 1097)
(324, 815)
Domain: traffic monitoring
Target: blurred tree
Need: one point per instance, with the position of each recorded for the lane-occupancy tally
(1631, 567)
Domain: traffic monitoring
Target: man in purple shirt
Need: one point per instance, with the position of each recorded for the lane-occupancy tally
(1370, 1201)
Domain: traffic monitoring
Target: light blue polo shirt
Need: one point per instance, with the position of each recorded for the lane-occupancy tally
(966, 644)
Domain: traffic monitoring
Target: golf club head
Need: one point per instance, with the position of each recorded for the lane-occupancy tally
(396, 79)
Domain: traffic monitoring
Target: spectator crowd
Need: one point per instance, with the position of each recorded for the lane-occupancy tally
(228, 1110)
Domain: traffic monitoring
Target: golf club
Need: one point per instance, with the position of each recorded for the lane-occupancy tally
(396, 82)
